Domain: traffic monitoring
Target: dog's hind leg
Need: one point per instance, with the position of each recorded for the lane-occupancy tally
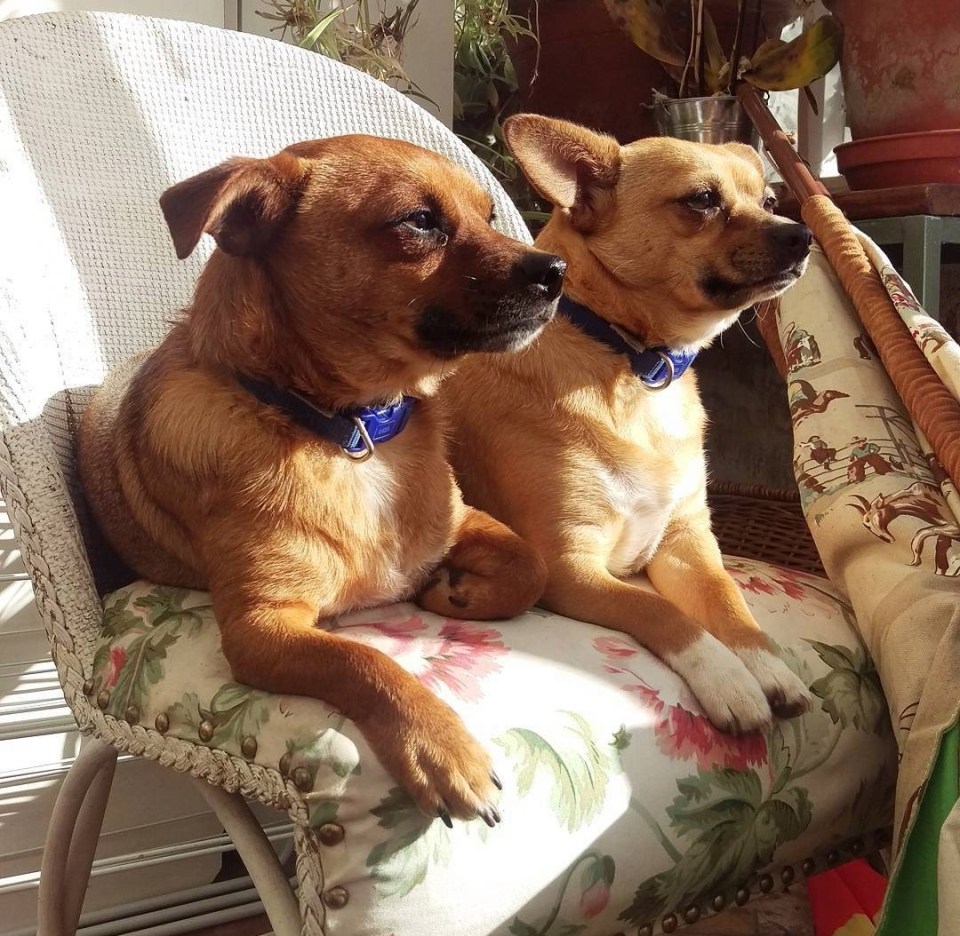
(489, 574)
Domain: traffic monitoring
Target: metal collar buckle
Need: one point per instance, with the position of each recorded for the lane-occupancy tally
(368, 447)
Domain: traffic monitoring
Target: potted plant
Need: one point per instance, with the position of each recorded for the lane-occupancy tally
(901, 75)
(684, 38)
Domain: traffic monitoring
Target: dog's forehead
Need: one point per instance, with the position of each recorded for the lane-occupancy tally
(394, 171)
(669, 165)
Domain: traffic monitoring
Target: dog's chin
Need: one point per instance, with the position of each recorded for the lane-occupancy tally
(729, 295)
(513, 328)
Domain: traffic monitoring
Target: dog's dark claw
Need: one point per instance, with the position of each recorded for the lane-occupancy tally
(496, 780)
(445, 816)
(490, 816)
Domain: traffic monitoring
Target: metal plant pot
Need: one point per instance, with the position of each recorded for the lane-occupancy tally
(717, 119)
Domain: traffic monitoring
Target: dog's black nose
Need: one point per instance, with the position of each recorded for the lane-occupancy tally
(795, 238)
(542, 269)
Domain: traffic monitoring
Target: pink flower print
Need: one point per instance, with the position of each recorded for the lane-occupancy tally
(615, 647)
(756, 585)
(461, 657)
(118, 656)
(595, 881)
(680, 733)
(594, 900)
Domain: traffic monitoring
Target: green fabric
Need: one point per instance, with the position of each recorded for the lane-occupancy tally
(911, 905)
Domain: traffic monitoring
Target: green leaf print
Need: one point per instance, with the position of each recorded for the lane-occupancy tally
(232, 722)
(519, 928)
(400, 863)
(118, 619)
(851, 691)
(733, 830)
(577, 773)
(141, 669)
(873, 806)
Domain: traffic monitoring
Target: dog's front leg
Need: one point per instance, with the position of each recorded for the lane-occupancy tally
(489, 574)
(581, 587)
(272, 642)
(687, 569)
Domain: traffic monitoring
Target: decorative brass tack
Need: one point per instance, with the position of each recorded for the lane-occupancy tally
(743, 895)
(205, 731)
(285, 763)
(645, 930)
(162, 723)
(87, 686)
(718, 902)
(766, 884)
(691, 914)
(248, 747)
(330, 833)
(336, 898)
(132, 714)
(787, 875)
(856, 846)
(832, 858)
(669, 924)
(302, 779)
(809, 866)
(103, 699)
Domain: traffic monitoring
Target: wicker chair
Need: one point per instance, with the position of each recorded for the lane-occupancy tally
(98, 114)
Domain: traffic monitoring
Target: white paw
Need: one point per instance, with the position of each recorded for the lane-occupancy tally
(729, 696)
(785, 691)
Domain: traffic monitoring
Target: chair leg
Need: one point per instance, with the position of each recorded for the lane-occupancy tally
(72, 838)
(259, 857)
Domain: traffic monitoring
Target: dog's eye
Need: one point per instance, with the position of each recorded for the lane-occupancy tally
(703, 200)
(423, 220)
(770, 204)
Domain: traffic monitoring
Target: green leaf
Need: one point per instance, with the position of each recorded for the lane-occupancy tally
(400, 863)
(836, 657)
(873, 805)
(577, 774)
(732, 833)
(853, 696)
(648, 24)
(519, 928)
(800, 62)
(323, 812)
(622, 738)
(312, 37)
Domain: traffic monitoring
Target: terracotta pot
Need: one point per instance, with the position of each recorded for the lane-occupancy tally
(901, 159)
(900, 65)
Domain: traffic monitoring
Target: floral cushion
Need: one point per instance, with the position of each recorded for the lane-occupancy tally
(621, 806)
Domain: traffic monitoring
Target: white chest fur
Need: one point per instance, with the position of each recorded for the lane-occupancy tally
(665, 467)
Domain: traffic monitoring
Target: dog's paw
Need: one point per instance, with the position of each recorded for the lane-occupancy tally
(727, 692)
(431, 754)
(785, 691)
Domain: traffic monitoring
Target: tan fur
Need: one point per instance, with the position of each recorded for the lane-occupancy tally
(321, 284)
(565, 445)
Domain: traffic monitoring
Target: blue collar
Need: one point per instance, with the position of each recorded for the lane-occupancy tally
(355, 430)
(656, 367)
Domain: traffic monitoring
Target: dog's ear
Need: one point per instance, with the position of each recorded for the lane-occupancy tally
(241, 203)
(572, 167)
(746, 152)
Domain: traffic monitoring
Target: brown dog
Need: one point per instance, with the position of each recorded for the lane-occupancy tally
(589, 444)
(349, 272)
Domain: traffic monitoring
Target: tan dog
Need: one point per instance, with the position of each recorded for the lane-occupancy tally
(595, 466)
(349, 272)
